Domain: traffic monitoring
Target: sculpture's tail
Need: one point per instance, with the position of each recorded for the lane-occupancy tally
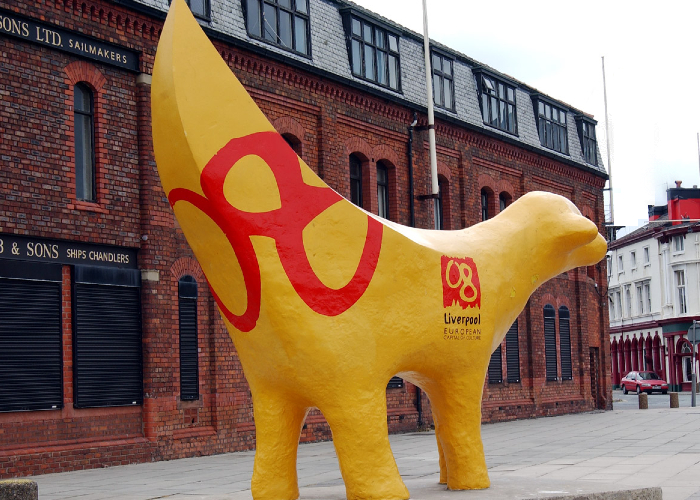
(231, 178)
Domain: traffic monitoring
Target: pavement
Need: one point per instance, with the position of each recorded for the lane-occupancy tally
(578, 454)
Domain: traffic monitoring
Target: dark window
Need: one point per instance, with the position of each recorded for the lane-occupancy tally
(443, 81)
(586, 132)
(565, 343)
(293, 142)
(30, 336)
(395, 383)
(439, 207)
(355, 180)
(107, 368)
(374, 53)
(284, 23)
(199, 8)
(550, 342)
(84, 134)
(502, 202)
(513, 354)
(495, 369)
(189, 348)
(382, 190)
(551, 122)
(484, 204)
(497, 103)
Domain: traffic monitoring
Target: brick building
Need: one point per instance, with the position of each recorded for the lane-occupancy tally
(111, 347)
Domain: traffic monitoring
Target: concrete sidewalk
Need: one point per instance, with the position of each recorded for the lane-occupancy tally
(583, 453)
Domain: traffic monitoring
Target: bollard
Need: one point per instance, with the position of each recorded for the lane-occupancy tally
(19, 489)
(643, 401)
(674, 400)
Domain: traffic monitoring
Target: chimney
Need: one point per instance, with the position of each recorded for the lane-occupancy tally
(678, 184)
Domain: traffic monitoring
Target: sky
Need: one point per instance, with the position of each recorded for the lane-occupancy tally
(652, 70)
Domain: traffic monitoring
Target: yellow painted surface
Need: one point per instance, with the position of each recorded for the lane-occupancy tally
(324, 302)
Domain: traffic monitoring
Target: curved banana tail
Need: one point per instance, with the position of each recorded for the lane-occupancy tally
(230, 178)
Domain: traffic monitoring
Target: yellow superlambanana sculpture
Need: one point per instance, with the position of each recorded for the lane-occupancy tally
(326, 302)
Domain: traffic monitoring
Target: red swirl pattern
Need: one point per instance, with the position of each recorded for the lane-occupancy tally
(300, 204)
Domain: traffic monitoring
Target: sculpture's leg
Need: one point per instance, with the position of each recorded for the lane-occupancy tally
(361, 442)
(441, 454)
(278, 422)
(457, 408)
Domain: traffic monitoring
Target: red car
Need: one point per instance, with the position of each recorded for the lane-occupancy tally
(643, 382)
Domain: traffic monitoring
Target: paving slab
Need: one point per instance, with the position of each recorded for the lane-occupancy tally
(581, 454)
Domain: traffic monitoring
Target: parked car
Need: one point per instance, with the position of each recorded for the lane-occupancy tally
(643, 382)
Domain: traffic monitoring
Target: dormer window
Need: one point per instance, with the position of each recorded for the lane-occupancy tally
(200, 8)
(586, 133)
(497, 100)
(551, 125)
(284, 23)
(443, 81)
(374, 51)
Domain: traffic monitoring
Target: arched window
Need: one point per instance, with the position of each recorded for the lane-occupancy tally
(495, 369)
(484, 205)
(189, 348)
(356, 180)
(513, 354)
(382, 190)
(293, 142)
(687, 363)
(565, 343)
(504, 199)
(550, 342)
(440, 205)
(84, 135)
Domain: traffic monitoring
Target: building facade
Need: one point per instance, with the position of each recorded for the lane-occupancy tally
(653, 292)
(109, 337)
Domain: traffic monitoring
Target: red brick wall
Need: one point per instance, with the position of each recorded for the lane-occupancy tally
(330, 121)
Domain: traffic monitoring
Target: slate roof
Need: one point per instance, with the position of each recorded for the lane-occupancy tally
(329, 54)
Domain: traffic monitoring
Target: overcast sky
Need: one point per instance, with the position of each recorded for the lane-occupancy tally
(652, 66)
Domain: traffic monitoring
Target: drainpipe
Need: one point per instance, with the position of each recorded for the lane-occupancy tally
(411, 207)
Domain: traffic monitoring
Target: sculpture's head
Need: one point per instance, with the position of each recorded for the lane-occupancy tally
(556, 235)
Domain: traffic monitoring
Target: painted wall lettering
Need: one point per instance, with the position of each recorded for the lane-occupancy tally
(52, 36)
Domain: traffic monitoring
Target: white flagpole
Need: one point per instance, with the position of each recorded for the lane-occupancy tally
(429, 89)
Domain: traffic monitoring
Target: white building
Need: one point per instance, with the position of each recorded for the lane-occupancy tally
(654, 291)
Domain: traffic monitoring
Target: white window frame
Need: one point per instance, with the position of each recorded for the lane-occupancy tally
(678, 244)
(640, 299)
(679, 278)
(633, 260)
(628, 301)
(620, 264)
(647, 256)
(647, 295)
(618, 304)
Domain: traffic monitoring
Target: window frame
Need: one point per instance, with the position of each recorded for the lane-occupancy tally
(442, 76)
(485, 199)
(383, 191)
(207, 7)
(91, 168)
(565, 343)
(678, 243)
(588, 137)
(492, 94)
(439, 208)
(646, 256)
(541, 106)
(355, 178)
(550, 344)
(293, 12)
(188, 293)
(349, 17)
(681, 291)
(633, 259)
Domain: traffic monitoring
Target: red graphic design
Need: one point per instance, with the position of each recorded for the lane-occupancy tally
(301, 203)
(460, 282)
